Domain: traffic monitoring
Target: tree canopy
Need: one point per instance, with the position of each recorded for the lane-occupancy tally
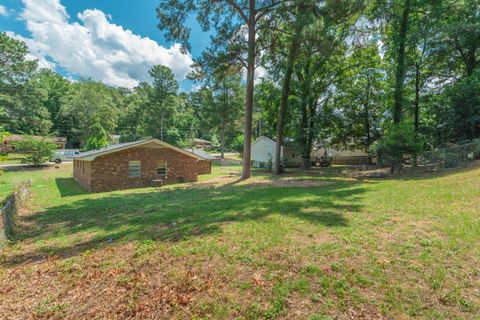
(370, 75)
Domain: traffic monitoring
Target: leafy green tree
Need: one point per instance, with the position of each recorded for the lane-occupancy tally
(161, 104)
(306, 28)
(235, 40)
(183, 124)
(224, 112)
(96, 137)
(399, 141)
(15, 69)
(359, 100)
(457, 113)
(303, 16)
(267, 103)
(458, 34)
(131, 123)
(37, 151)
(200, 101)
(20, 99)
(88, 103)
(54, 88)
(400, 41)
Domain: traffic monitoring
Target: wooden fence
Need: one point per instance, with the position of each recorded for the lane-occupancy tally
(352, 160)
(10, 208)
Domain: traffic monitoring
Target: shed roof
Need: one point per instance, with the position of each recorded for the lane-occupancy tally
(198, 140)
(91, 155)
(201, 153)
(287, 142)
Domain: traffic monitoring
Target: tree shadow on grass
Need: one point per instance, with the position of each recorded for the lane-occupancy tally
(177, 214)
(438, 174)
(68, 187)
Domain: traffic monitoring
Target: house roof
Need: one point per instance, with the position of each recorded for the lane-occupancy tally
(197, 140)
(287, 142)
(91, 155)
(201, 153)
(264, 138)
(20, 137)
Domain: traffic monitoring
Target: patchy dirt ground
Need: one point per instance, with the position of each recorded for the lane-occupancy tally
(296, 247)
(262, 181)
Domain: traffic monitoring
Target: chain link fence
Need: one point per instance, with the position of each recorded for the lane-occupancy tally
(449, 158)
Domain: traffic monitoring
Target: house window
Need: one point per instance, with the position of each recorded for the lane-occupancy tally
(162, 168)
(134, 168)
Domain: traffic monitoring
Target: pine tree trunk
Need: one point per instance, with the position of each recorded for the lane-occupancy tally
(161, 125)
(367, 124)
(417, 108)
(400, 72)
(292, 54)
(247, 145)
(307, 119)
(222, 140)
(417, 97)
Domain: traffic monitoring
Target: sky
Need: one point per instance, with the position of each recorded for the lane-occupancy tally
(113, 41)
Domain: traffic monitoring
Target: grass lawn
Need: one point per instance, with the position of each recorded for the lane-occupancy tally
(317, 246)
(9, 178)
(13, 158)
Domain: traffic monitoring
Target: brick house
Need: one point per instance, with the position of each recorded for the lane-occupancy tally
(10, 141)
(205, 164)
(137, 164)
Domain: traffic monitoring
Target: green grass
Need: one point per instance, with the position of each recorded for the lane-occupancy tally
(12, 158)
(393, 248)
(9, 178)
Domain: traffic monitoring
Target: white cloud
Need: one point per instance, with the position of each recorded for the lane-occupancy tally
(260, 74)
(3, 11)
(95, 47)
(35, 53)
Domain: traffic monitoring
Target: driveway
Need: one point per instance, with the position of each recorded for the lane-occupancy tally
(26, 165)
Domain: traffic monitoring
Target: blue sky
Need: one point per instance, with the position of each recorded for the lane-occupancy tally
(91, 38)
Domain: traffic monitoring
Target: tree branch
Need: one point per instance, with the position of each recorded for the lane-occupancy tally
(266, 9)
(237, 7)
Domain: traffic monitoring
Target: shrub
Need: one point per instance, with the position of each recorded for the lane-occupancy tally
(37, 151)
(399, 141)
(476, 151)
(97, 138)
(451, 160)
(237, 144)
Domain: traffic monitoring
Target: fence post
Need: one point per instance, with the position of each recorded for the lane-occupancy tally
(444, 158)
(3, 234)
(10, 209)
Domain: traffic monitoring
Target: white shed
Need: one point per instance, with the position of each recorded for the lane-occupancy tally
(263, 152)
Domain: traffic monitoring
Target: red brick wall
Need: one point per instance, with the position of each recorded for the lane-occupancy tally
(81, 173)
(110, 172)
(204, 166)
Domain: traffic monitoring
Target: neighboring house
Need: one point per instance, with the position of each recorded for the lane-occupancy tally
(136, 164)
(345, 157)
(205, 163)
(115, 138)
(10, 141)
(263, 153)
(201, 144)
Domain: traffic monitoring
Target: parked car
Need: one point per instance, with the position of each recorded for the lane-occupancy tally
(323, 161)
(63, 155)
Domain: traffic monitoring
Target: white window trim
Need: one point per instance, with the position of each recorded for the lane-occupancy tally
(166, 170)
(139, 169)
